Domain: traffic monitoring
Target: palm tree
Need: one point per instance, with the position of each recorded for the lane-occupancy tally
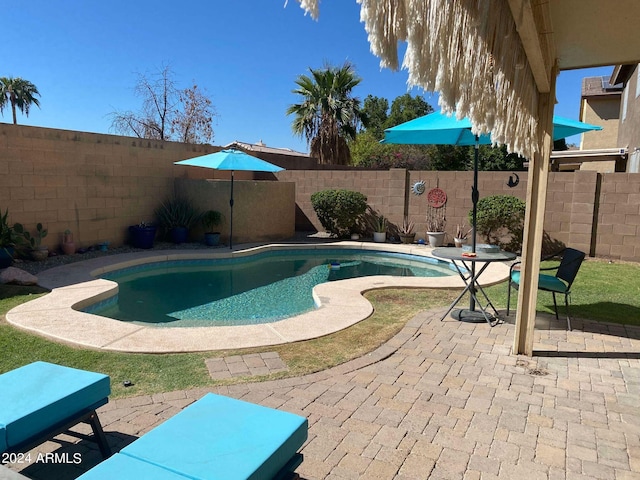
(328, 115)
(18, 92)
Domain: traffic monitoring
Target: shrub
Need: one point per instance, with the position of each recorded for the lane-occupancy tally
(211, 219)
(500, 220)
(339, 211)
(177, 212)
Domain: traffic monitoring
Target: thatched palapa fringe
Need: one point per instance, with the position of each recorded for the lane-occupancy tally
(466, 50)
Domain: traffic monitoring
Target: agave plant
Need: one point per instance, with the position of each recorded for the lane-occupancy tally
(177, 212)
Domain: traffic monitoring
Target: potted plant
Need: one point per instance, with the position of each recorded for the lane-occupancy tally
(211, 219)
(462, 233)
(176, 216)
(34, 242)
(142, 235)
(7, 241)
(68, 245)
(407, 235)
(379, 224)
(436, 222)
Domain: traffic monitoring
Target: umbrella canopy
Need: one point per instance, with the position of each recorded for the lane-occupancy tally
(440, 129)
(231, 160)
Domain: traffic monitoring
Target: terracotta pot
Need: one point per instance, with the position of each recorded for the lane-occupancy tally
(69, 248)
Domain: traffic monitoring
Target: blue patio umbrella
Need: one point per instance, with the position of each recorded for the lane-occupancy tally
(231, 159)
(440, 129)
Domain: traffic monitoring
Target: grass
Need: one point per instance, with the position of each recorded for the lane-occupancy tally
(603, 292)
(164, 373)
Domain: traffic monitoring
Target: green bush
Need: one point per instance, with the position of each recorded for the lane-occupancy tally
(339, 211)
(500, 220)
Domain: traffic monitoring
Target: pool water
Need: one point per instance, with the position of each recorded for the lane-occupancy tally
(248, 290)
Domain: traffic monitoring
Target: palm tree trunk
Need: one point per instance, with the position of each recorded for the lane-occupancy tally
(12, 99)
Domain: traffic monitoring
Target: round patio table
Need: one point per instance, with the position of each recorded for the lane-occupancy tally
(463, 264)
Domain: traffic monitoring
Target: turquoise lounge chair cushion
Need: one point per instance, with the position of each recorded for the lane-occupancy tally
(222, 438)
(41, 395)
(545, 282)
(121, 466)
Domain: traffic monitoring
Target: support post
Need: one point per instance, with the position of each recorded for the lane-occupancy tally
(534, 224)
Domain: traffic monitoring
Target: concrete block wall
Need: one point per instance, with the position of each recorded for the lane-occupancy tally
(458, 187)
(92, 184)
(596, 213)
(618, 228)
(376, 185)
(97, 185)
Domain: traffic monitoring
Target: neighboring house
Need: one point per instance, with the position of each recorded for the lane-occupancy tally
(629, 126)
(600, 105)
(283, 157)
(614, 104)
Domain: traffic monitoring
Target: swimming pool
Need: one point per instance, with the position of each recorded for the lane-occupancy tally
(250, 290)
(59, 315)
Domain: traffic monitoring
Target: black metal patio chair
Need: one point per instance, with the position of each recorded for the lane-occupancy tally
(561, 282)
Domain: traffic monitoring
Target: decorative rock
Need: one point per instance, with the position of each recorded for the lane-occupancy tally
(17, 276)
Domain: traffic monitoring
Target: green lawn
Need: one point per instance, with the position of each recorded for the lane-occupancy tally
(602, 292)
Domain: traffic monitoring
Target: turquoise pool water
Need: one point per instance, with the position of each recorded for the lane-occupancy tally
(249, 290)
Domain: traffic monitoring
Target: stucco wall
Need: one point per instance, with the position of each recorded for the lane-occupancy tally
(629, 130)
(262, 210)
(605, 112)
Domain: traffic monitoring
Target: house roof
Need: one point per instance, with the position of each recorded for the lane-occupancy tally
(600, 86)
(263, 148)
(622, 73)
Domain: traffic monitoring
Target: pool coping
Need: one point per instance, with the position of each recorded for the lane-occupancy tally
(74, 286)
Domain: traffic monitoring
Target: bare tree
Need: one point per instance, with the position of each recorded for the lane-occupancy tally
(192, 124)
(167, 112)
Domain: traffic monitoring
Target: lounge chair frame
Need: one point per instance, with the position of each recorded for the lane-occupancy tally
(88, 416)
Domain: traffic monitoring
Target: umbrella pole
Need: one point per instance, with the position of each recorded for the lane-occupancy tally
(231, 222)
(474, 198)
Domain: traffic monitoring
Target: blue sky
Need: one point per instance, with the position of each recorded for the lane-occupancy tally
(84, 57)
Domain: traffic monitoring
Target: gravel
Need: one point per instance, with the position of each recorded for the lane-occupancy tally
(35, 267)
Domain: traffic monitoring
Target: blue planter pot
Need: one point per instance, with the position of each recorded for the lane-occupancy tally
(212, 239)
(6, 256)
(179, 234)
(142, 237)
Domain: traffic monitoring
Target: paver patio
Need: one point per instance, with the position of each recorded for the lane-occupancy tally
(440, 400)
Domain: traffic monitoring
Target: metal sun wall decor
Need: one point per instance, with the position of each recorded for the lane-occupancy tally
(418, 188)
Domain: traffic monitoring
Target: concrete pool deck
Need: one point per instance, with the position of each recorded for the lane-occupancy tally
(75, 286)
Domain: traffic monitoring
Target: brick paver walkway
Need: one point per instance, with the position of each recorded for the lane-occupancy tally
(245, 365)
(443, 400)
